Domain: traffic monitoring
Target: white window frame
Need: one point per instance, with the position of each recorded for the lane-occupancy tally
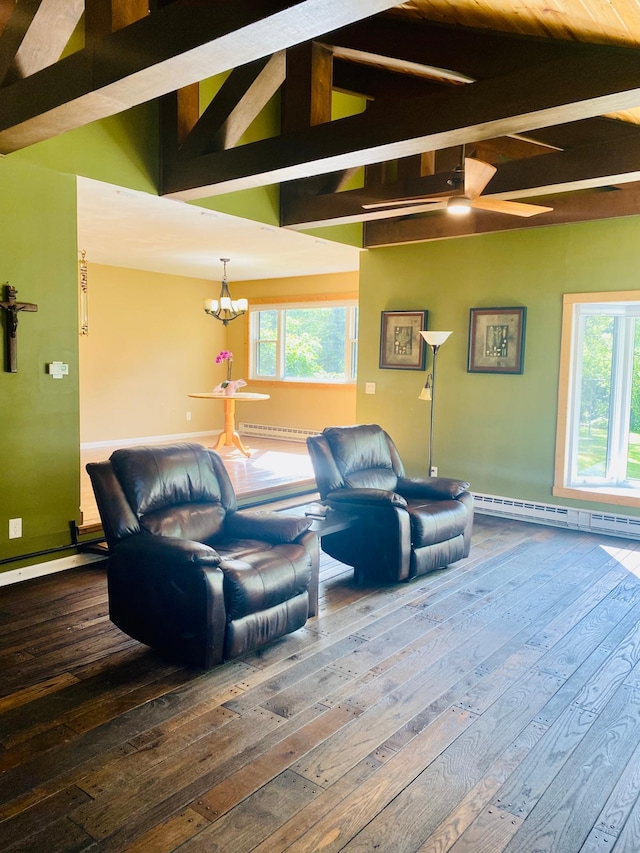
(613, 487)
(350, 342)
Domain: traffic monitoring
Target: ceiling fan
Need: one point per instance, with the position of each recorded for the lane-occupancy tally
(467, 181)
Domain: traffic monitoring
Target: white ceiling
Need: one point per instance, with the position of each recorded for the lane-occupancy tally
(127, 228)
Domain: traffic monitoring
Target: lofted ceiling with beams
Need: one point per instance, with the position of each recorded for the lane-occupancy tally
(548, 95)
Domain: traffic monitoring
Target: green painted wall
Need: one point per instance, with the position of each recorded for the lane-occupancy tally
(120, 150)
(498, 432)
(39, 416)
(39, 471)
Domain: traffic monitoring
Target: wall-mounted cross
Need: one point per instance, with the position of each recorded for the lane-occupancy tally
(11, 308)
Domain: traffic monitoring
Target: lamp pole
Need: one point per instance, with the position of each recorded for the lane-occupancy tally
(435, 349)
(435, 341)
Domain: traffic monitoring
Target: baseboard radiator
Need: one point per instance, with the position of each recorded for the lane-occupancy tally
(284, 433)
(559, 516)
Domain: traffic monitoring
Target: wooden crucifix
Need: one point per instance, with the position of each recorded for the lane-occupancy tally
(11, 308)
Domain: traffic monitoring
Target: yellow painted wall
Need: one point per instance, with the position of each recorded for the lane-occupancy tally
(149, 345)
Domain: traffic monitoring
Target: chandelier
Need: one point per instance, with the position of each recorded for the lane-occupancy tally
(225, 308)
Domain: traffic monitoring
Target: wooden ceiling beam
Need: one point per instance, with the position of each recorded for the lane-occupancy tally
(583, 132)
(370, 83)
(7, 8)
(102, 17)
(183, 43)
(300, 210)
(474, 53)
(240, 99)
(579, 168)
(51, 25)
(16, 21)
(579, 207)
(306, 95)
(553, 93)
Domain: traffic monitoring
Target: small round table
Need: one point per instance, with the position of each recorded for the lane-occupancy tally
(229, 437)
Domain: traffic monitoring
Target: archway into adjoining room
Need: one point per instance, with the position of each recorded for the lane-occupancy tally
(150, 264)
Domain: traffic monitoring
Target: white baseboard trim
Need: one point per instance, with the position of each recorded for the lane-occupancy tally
(277, 432)
(590, 521)
(39, 570)
(149, 439)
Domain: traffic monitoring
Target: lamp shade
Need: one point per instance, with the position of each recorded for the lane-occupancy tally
(435, 339)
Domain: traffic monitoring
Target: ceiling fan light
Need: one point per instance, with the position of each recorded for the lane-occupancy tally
(459, 206)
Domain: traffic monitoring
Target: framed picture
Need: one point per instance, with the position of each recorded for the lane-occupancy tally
(402, 347)
(496, 340)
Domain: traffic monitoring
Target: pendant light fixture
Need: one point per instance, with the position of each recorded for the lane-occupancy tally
(225, 308)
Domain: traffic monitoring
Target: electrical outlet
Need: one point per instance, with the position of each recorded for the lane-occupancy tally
(15, 528)
(369, 387)
(434, 471)
(188, 416)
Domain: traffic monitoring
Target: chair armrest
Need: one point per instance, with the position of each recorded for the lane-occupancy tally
(166, 553)
(271, 527)
(436, 488)
(366, 497)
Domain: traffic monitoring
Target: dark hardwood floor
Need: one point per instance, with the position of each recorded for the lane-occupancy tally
(493, 706)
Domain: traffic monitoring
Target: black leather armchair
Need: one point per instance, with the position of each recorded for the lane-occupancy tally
(189, 574)
(402, 527)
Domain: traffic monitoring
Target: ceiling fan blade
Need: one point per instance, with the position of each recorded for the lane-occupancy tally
(477, 175)
(514, 208)
(401, 202)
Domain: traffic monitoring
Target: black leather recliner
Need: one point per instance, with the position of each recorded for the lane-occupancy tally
(189, 574)
(402, 527)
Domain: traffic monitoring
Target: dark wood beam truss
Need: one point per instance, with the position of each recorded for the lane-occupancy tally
(586, 85)
(532, 107)
(171, 48)
(606, 203)
(241, 98)
(35, 34)
(102, 17)
(611, 160)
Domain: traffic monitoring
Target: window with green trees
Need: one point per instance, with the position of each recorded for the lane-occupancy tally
(604, 400)
(304, 342)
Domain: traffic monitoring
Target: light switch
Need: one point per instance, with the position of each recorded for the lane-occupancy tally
(58, 369)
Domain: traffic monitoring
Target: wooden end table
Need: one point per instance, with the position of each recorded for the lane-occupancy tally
(333, 522)
(229, 436)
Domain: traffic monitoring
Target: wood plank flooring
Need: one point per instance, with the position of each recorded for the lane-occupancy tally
(493, 707)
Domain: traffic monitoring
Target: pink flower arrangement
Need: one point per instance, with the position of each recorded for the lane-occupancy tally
(229, 386)
(225, 355)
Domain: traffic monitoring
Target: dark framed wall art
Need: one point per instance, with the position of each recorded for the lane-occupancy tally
(496, 340)
(402, 347)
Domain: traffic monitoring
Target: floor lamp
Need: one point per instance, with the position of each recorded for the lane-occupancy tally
(435, 341)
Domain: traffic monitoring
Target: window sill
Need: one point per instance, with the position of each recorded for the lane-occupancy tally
(294, 384)
(603, 495)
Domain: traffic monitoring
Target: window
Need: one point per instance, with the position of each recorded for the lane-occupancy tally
(599, 424)
(304, 342)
